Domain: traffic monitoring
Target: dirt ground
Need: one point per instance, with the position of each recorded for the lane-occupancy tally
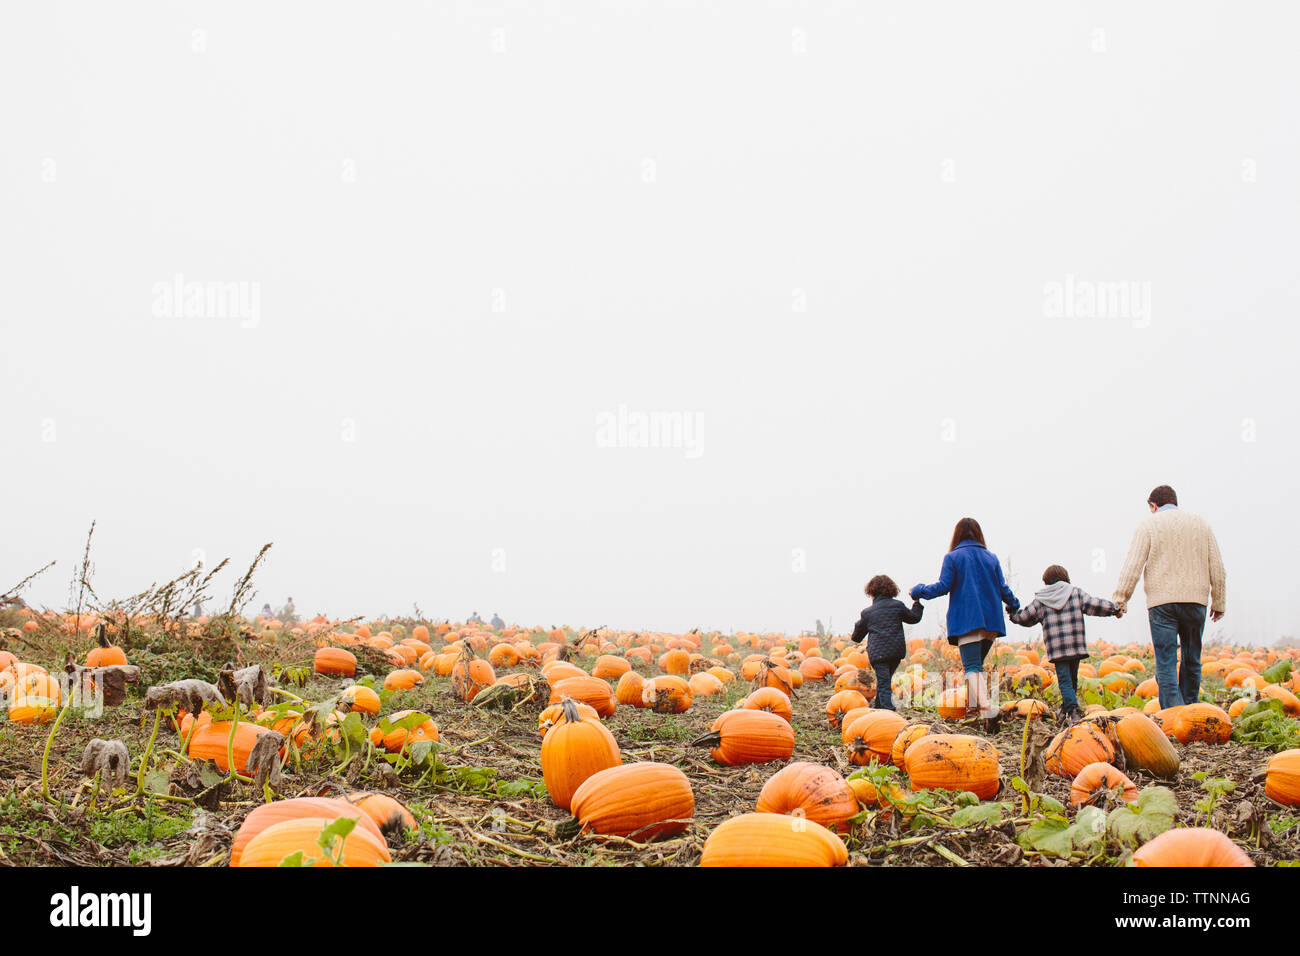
(488, 805)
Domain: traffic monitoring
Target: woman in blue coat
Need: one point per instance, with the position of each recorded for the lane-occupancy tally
(972, 577)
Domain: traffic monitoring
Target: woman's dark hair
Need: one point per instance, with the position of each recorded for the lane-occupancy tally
(1162, 495)
(882, 585)
(1056, 573)
(968, 529)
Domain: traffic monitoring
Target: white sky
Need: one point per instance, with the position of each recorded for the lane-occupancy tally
(822, 233)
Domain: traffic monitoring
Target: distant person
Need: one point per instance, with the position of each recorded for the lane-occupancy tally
(882, 625)
(267, 612)
(972, 576)
(474, 618)
(1060, 607)
(497, 623)
(1177, 557)
(289, 613)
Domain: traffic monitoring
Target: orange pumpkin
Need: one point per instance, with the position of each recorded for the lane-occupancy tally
(1201, 722)
(748, 736)
(396, 737)
(810, 791)
(1074, 748)
(953, 762)
(592, 691)
(574, 750)
(630, 688)
(1096, 780)
(302, 835)
(470, 674)
(871, 736)
(403, 679)
(770, 699)
(1191, 846)
(640, 801)
(769, 839)
(269, 814)
(335, 662)
(210, 742)
(840, 703)
(1282, 779)
(667, 694)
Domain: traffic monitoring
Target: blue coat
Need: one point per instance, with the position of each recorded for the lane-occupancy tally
(972, 576)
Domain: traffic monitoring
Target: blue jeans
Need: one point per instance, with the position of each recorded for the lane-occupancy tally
(1175, 626)
(1067, 679)
(973, 654)
(884, 693)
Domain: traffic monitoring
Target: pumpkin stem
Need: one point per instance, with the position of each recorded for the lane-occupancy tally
(569, 708)
(567, 829)
(711, 739)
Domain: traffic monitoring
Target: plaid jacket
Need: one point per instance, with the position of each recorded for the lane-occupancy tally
(1063, 630)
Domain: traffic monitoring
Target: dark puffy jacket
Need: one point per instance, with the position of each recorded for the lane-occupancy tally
(883, 624)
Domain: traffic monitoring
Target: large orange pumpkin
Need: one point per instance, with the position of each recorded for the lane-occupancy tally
(769, 839)
(302, 835)
(574, 750)
(639, 801)
(629, 690)
(209, 742)
(592, 691)
(335, 662)
(1094, 781)
(770, 699)
(871, 736)
(1282, 780)
(811, 791)
(268, 814)
(1076, 747)
(748, 736)
(1145, 746)
(953, 762)
(1191, 846)
(667, 694)
(1201, 722)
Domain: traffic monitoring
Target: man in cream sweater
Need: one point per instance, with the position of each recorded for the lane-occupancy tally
(1176, 554)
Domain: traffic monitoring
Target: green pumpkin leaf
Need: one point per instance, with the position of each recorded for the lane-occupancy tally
(293, 859)
(354, 729)
(985, 814)
(1150, 815)
(336, 830)
(209, 775)
(1055, 836)
(1278, 672)
(157, 781)
(419, 752)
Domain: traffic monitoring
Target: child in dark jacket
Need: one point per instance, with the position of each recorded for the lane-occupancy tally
(1060, 608)
(882, 625)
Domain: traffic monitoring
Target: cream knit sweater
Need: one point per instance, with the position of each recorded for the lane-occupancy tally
(1176, 553)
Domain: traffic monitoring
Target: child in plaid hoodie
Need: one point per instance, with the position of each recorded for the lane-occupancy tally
(1060, 608)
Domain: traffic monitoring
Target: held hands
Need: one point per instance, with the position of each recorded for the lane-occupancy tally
(1121, 610)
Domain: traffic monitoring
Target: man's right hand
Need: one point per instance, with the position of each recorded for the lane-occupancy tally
(1216, 616)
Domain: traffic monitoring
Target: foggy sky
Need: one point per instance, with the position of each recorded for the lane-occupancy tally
(840, 255)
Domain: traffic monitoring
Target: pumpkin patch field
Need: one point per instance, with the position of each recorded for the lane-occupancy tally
(152, 738)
